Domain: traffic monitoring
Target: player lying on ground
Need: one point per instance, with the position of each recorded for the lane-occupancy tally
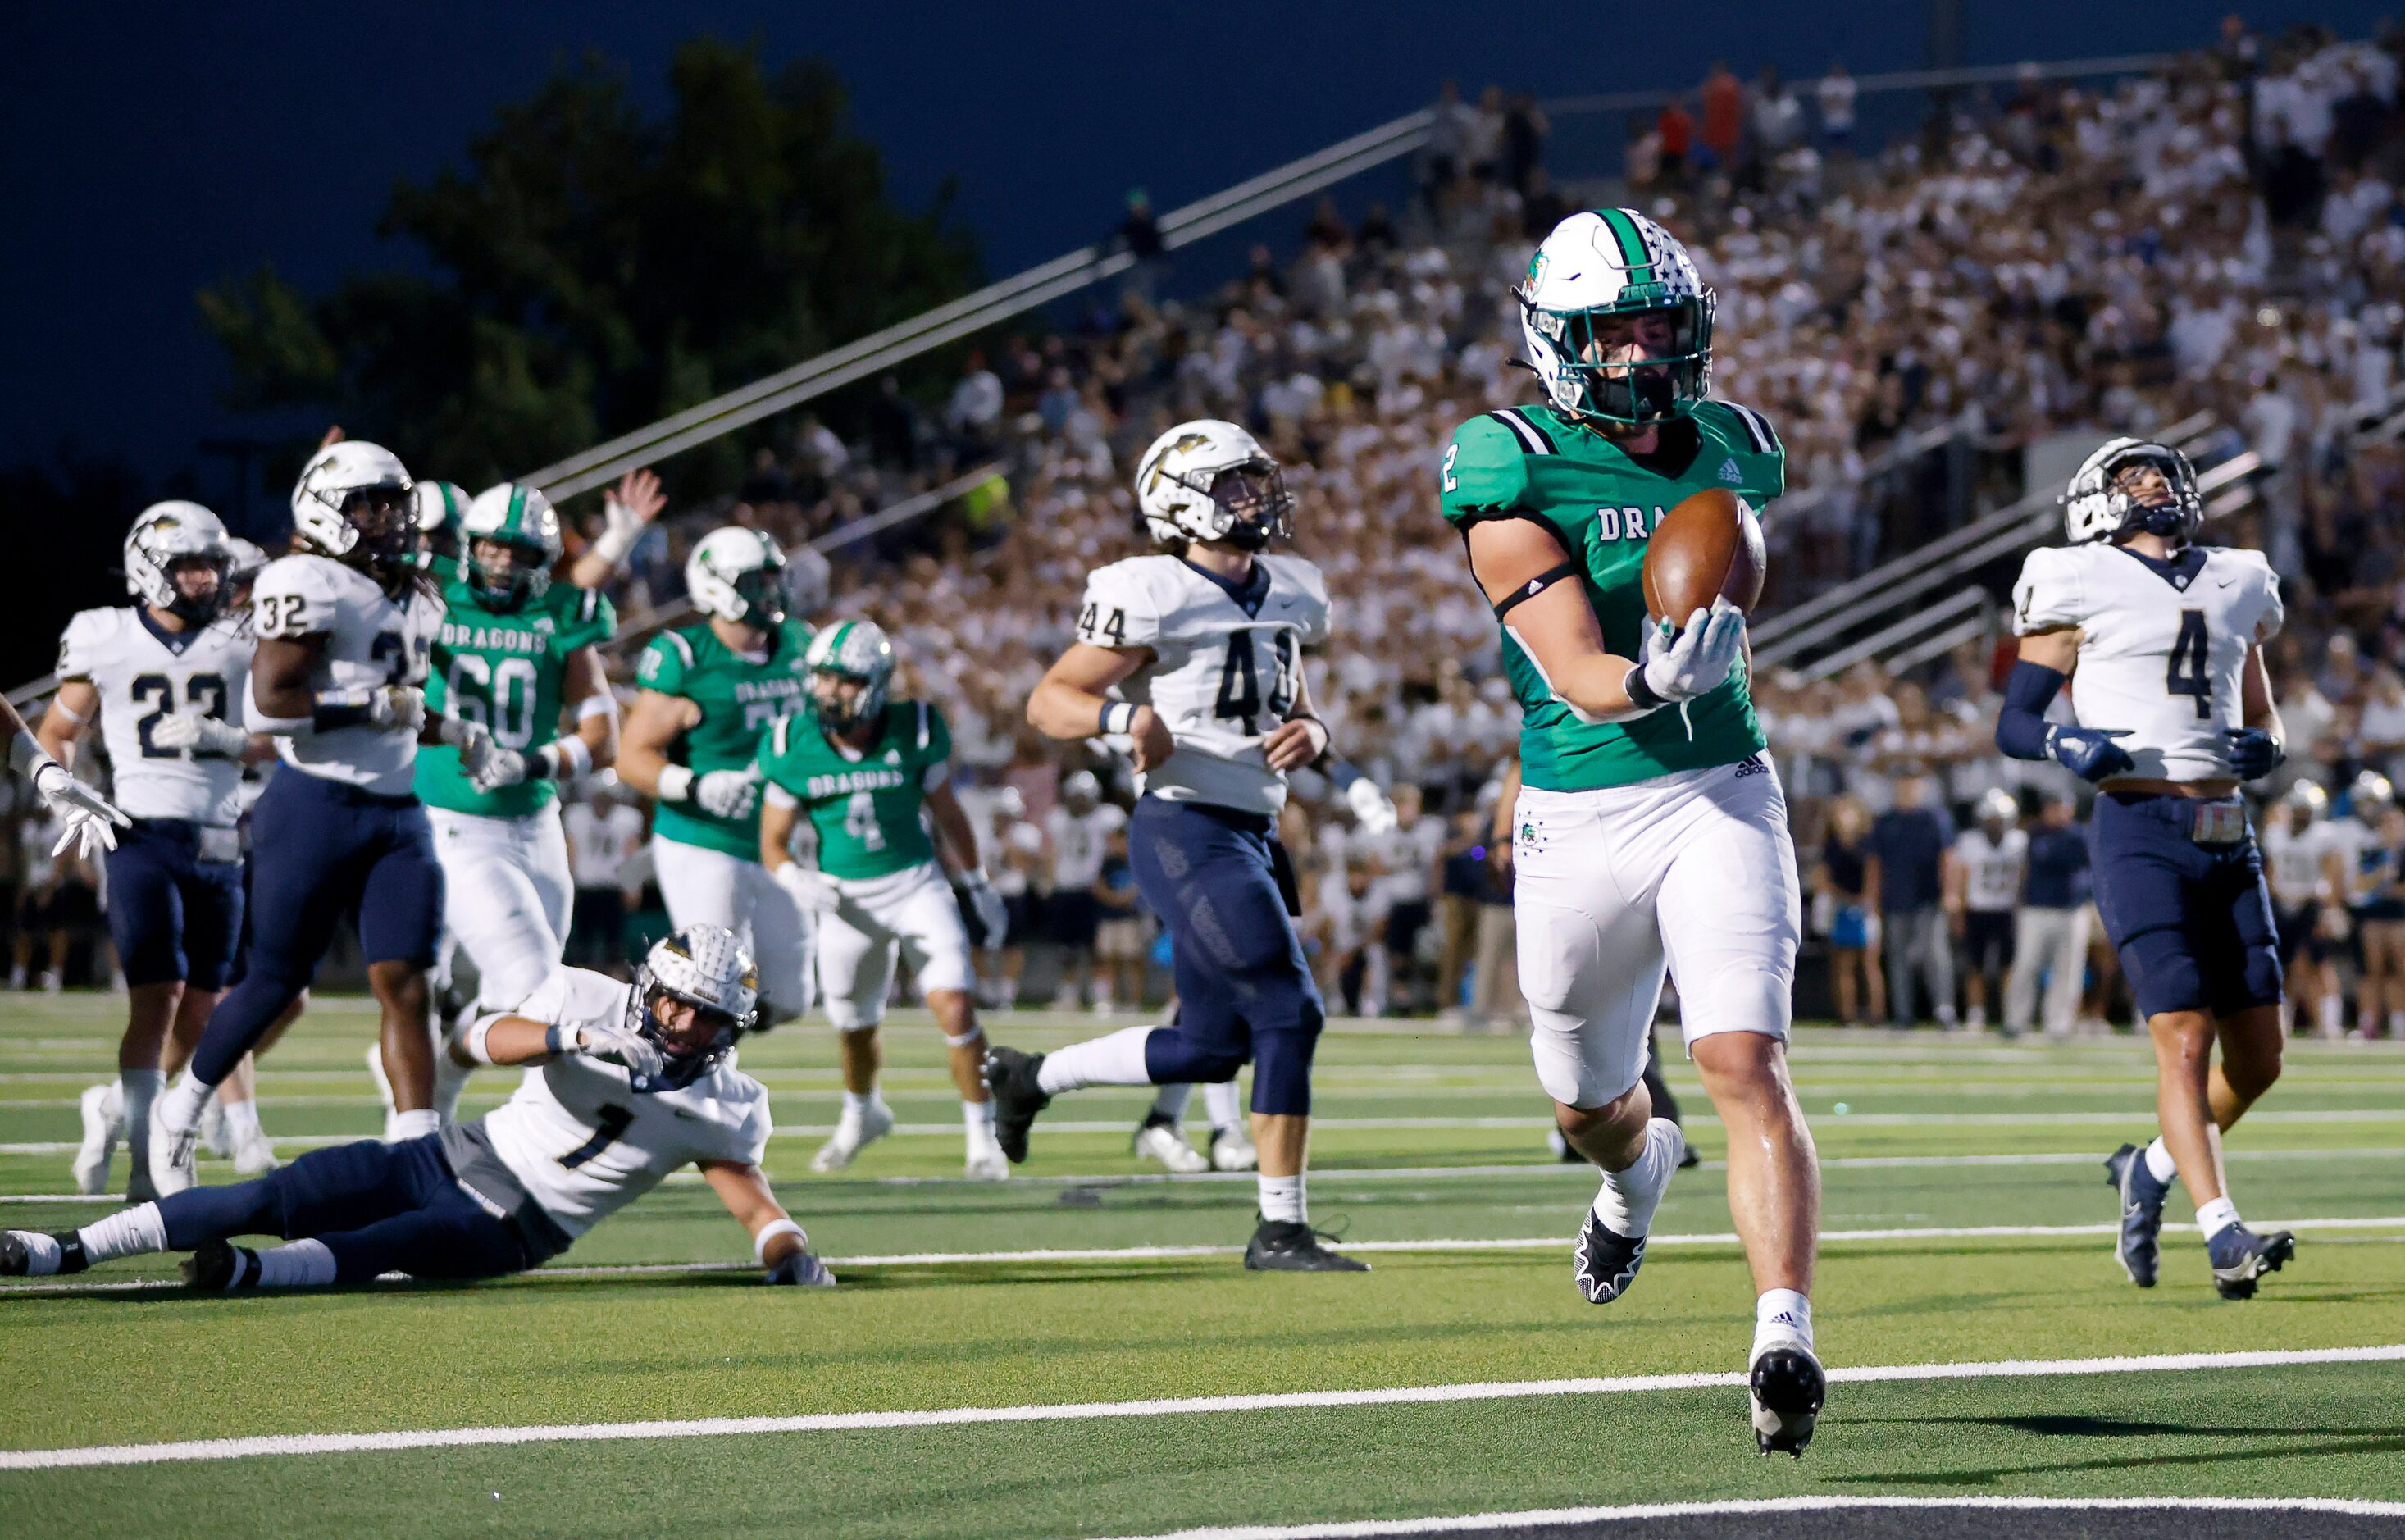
(626, 1083)
(861, 766)
(1203, 644)
(1651, 831)
(158, 678)
(2176, 710)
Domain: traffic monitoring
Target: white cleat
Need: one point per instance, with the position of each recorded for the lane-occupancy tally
(102, 1126)
(253, 1156)
(216, 1137)
(171, 1157)
(854, 1133)
(1165, 1142)
(1232, 1149)
(988, 1164)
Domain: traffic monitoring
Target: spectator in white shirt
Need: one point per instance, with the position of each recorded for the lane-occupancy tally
(602, 830)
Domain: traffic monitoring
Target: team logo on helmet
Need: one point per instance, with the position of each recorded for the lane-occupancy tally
(738, 575)
(2129, 485)
(1209, 480)
(353, 502)
(170, 540)
(1618, 324)
(707, 967)
(511, 535)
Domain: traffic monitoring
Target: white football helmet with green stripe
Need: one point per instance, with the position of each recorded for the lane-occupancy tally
(522, 523)
(1611, 262)
(855, 650)
(438, 506)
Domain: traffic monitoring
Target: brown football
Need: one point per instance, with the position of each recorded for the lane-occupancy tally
(1709, 546)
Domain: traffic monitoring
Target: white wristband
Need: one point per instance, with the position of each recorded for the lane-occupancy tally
(568, 758)
(1118, 716)
(617, 537)
(473, 1039)
(675, 784)
(771, 1231)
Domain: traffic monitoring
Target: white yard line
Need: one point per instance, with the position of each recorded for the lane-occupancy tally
(1338, 1175)
(1158, 1253)
(1376, 1528)
(720, 1427)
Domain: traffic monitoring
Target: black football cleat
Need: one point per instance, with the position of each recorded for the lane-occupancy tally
(1286, 1246)
(2140, 1245)
(2241, 1258)
(1011, 1074)
(1787, 1387)
(1606, 1262)
(219, 1267)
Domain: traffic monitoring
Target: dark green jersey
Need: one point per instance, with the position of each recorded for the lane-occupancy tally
(739, 698)
(1526, 462)
(863, 804)
(506, 671)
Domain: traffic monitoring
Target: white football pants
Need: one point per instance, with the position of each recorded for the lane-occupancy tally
(912, 911)
(506, 896)
(705, 886)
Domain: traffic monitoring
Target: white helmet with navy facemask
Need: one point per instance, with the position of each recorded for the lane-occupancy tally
(706, 967)
(170, 535)
(738, 575)
(1208, 480)
(1599, 268)
(353, 503)
(2110, 495)
(849, 650)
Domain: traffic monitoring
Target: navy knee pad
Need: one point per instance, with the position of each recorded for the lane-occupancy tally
(1176, 1056)
(1282, 1064)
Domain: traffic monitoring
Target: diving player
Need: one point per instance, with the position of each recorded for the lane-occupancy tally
(345, 628)
(1203, 644)
(518, 654)
(623, 1085)
(709, 694)
(2175, 712)
(1651, 829)
(861, 766)
(159, 677)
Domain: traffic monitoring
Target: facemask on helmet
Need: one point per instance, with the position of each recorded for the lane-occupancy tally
(850, 673)
(180, 558)
(705, 968)
(353, 502)
(1618, 325)
(1212, 481)
(2132, 486)
(738, 575)
(511, 539)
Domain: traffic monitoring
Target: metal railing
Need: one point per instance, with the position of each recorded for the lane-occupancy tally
(1909, 80)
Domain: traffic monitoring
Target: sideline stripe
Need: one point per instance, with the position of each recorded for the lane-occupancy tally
(1338, 1175)
(1547, 1518)
(432, 1438)
(1159, 1253)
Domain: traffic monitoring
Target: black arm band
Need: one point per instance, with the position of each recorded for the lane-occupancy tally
(1641, 695)
(1536, 586)
(2021, 726)
(329, 718)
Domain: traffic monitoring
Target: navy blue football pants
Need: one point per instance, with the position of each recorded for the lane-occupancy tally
(2192, 923)
(321, 850)
(1243, 990)
(378, 1207)
(172, 915)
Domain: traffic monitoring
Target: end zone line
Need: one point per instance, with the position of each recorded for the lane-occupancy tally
(1166, 1253)
(428, 1439)
(1373, 1529)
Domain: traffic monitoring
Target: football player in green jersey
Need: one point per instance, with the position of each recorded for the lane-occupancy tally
(1650, 830)
(862, 768)
(709, 694)
(517, 654)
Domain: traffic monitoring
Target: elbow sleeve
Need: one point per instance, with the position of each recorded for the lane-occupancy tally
(2021, 728)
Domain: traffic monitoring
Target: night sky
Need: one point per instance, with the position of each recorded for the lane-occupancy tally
(145, 150)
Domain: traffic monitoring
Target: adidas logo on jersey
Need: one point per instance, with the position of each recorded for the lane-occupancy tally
(1729, 471)
(1751, 765)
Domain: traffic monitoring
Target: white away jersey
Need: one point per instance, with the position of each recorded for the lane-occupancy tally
(2297, 864)
(2162, 646)
(1226, 664)
(1991, 871)
(584, 1144)
(146, 673)
(372, 639)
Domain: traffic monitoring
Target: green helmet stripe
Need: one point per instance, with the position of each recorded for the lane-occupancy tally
(514, 522)
(1632, 245)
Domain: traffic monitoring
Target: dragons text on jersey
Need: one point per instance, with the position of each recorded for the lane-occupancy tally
(1602, 503)
(739, 697)
(144, 674)
(863, 803)
(372, 640)
(1226, 667)
(505, 671)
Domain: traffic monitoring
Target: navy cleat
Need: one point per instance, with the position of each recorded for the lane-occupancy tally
(2241, 1258)
(1288, 1246)
(1787, 1387)
(1606, 1262)
(17, 1254)
(1011, 1075)
(219, 1267)
(2140, 1246)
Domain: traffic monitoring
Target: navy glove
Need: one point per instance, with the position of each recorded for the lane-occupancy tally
(2254, 753)
(2090, 752)
(802, 1268)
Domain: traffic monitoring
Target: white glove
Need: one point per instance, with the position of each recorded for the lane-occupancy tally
(1371, 808)
(727, 794)
(1698, 660)
(992, 917)
(488, 765)
(616, 1045)
(91, 820)
(620, 527)
(202, 735)
(398, 706)
(813, 891)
